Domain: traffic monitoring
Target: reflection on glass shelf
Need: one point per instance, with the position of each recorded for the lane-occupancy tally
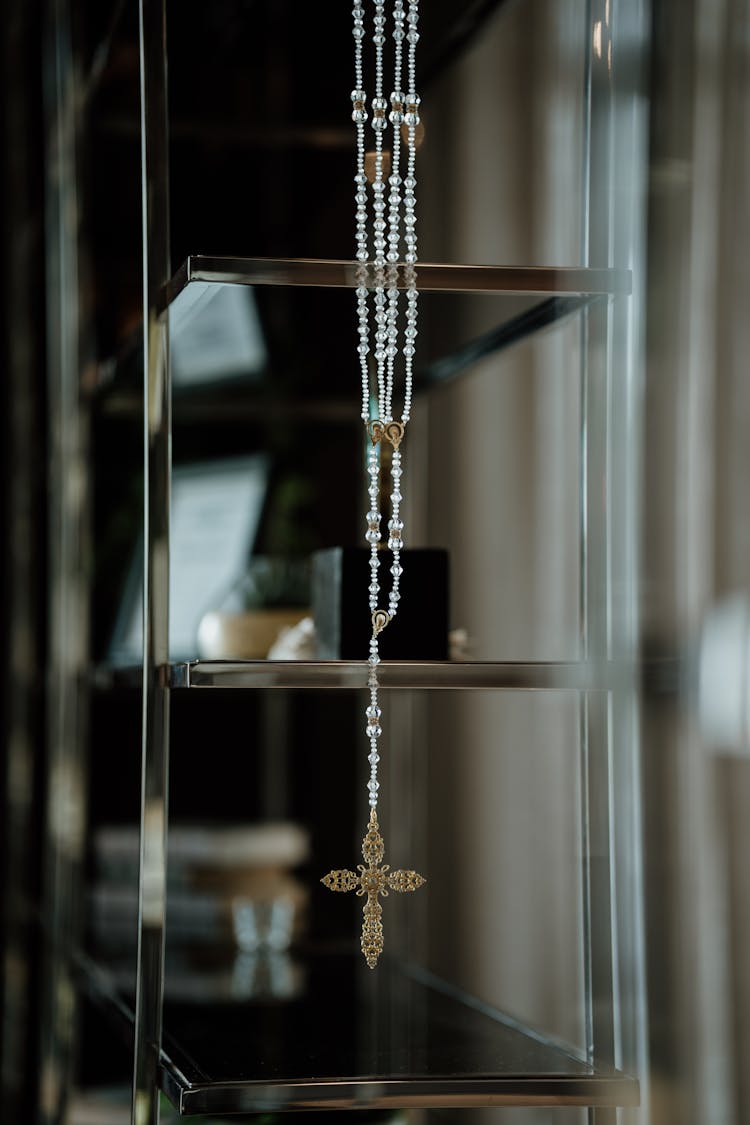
(332, 1033)
(199, 976)
(223, 340)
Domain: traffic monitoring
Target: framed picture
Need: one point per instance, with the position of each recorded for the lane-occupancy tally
(215, 512)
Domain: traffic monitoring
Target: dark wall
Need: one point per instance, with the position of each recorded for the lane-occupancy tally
(22, 536)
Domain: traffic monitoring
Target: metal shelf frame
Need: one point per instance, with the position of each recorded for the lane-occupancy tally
(195, 277)
(607, 677)
(377, 1073)
(601, 719)
(527, 300)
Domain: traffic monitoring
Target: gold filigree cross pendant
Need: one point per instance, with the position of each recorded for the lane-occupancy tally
(373, 880)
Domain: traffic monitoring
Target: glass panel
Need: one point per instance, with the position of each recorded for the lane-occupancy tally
(345, 1025)
(265, 984)
(295, 426)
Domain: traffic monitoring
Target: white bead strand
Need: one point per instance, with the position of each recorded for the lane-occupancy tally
(375, 878)
(359, 117)
(391, 347)
(396, 118)
(412, 120)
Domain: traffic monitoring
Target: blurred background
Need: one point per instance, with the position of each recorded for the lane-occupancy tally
(576, 462)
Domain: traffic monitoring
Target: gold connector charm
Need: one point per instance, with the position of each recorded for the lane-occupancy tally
(379, 621)
(390, 431)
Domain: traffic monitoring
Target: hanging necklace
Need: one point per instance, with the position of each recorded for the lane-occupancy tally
(375, 878)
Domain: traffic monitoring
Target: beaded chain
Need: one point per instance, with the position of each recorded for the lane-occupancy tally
(381, 288)
(404, 110)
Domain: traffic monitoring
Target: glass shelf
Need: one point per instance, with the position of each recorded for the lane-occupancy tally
(199, 273)
(511, 302)
(660, 677)
(429, 675)
(348, 1037)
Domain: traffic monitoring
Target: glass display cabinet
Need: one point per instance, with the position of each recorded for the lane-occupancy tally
(512, 780)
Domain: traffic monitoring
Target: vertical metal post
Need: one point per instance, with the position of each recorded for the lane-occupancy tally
(612, 361)
(68, 558)
(630, 34)
(595, 517)
(157, 457)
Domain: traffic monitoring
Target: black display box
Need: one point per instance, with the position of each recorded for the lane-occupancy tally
(343, 622)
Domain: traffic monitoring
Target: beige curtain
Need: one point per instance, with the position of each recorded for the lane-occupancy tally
(499, 461)
(696, 552)
(497, 454)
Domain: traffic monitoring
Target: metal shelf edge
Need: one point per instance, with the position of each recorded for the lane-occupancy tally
(573, 281)
(437, 675)
(490, 1091)
(601, 1087)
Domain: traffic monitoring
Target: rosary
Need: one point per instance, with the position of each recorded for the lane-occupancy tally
(375, 878)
